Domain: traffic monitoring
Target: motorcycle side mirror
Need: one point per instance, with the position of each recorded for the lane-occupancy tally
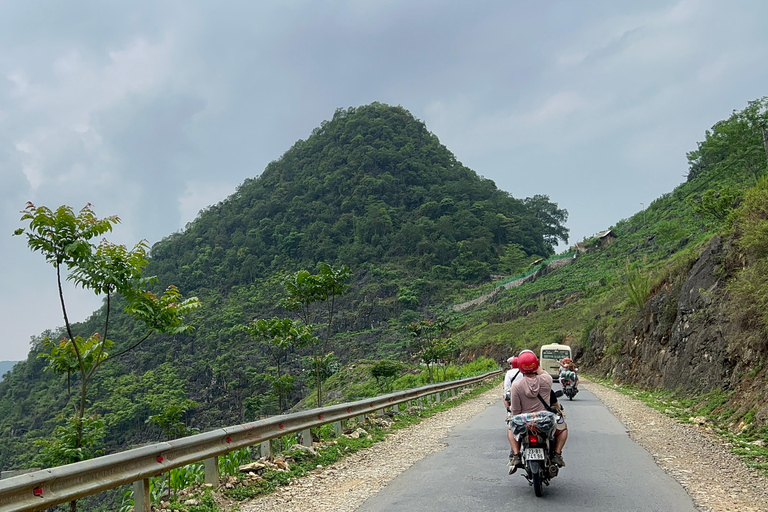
(577, 369)
(559, 393)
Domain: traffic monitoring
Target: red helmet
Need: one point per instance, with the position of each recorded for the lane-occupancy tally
(566, 360)
(528, 362)
(513, 362)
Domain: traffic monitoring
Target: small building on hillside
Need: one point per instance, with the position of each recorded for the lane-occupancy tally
(602, 239)
(607, 238)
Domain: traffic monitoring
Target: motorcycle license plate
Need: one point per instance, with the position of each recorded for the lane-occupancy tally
(534, 454)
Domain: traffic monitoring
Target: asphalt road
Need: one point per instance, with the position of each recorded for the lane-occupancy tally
(605, 470)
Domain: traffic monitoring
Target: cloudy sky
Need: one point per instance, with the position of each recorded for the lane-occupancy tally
(154, 110)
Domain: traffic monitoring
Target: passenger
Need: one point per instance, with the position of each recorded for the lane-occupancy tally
(512, 375)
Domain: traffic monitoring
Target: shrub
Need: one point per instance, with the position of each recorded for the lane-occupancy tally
(638, 286)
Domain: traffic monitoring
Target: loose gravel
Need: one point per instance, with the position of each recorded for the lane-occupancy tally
(697, 458)
(716, 480)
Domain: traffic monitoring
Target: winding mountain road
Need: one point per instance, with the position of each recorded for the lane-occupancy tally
(605, 470)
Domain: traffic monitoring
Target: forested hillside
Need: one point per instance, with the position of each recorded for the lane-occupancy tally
(5, 366)
(371, 185)
(372, 189)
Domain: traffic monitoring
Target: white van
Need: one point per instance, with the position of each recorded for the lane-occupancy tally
(549, 355)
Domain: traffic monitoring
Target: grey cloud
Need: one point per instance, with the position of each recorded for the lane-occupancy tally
(147, 108)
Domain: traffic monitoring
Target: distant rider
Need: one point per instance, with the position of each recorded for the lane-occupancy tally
(568, 372)
(530, 395)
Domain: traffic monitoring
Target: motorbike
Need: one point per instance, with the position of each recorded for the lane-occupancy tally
(537, 444)
(568, 381)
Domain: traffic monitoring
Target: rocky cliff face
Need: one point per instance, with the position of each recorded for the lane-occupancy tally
(683, 339)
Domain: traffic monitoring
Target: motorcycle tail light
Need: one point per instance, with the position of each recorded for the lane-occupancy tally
(533, 439)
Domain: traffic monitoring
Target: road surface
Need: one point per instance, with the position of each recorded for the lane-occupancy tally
(605, 470)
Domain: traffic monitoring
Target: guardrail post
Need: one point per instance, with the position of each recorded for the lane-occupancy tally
(453, 392)
(212, 471)
(437, 398)
(337, 428)
(361, 418)
(266, 449)
(141, 501)
(306, 438)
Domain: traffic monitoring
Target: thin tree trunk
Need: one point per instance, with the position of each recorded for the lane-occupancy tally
(64, 308)
(317, 377)
(765, 141)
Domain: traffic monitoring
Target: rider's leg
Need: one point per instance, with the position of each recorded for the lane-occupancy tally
(557, 457)
(513, 443)
(560, 439)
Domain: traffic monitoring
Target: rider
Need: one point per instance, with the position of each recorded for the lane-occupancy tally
(566, 365)
(528, 395)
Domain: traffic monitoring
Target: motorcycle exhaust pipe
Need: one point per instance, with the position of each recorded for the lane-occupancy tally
(553, 471)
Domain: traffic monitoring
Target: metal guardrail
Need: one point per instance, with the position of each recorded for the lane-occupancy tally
(45, 488)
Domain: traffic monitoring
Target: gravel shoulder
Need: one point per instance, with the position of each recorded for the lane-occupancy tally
(698, 459)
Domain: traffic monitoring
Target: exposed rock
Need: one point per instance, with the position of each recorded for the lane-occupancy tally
(302, 448)
(253, 467)
(684, 339)
(357, 434)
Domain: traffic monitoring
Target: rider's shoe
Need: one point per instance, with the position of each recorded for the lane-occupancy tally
(515, 462)
(557, 458)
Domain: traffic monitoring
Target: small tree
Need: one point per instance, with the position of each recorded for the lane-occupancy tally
(305, 290)
(427, 338)
(64, 239)
(170, 417)
(171, 420)
(448, 353)
(715, 204)
(385, 372)
(280, 336)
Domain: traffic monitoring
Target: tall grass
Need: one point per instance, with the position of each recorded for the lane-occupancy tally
(638, 285)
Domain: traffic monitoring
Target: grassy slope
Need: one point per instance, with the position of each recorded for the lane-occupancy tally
(661, 240)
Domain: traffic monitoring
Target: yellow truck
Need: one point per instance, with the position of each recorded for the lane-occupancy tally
(550, 355)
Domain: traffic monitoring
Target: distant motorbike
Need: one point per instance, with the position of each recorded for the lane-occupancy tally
(537, 445)
(568, 381)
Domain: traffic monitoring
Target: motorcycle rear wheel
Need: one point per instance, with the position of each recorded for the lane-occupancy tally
(537, 484)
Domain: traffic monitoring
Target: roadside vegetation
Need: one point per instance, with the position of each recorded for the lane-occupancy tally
(183, 489)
